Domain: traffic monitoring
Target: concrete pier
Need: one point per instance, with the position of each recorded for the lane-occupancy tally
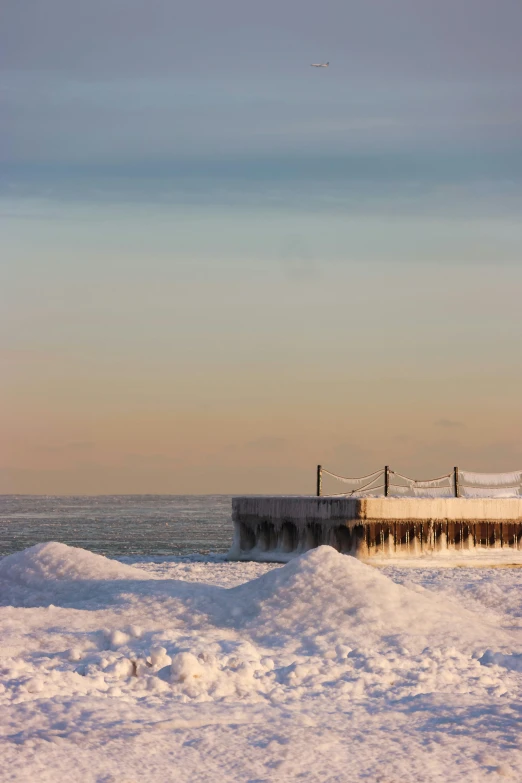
(278, 528)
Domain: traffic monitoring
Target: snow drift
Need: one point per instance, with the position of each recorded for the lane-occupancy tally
(325, 644)
(56, 562)
(320, 596)
(326, 598)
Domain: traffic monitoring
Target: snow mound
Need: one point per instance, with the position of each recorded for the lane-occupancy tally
(58, 562)
(512, 662)
(325, 594)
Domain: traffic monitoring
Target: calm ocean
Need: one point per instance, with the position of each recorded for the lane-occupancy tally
(118, 524)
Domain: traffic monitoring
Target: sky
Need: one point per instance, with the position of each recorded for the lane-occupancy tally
(220, 267)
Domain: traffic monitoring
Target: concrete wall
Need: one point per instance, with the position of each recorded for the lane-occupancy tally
(276, 528)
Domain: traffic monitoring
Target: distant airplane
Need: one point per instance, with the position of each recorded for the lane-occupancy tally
(319, 65)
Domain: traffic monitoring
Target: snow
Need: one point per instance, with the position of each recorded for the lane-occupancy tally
(44, 564)
(472, 485)
(198, 669)
(491, 479)
(421, 492)
(483, 492)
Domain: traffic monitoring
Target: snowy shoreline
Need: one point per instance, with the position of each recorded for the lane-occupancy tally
(197, 669)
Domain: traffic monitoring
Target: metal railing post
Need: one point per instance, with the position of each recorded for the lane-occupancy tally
(386, 480)
(319, 480)
(456, 481)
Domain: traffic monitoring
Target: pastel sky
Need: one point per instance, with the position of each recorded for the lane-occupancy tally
(220, 267)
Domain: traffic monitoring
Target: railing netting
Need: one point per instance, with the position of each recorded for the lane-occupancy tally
(391, 483)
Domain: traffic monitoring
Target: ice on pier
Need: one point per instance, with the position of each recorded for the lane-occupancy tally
(492, 480)
(279, 528)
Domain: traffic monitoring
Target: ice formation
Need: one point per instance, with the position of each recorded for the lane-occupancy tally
(281, 527)
(492, 480)
(462, 483)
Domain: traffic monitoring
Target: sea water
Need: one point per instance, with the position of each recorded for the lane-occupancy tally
(115, 525)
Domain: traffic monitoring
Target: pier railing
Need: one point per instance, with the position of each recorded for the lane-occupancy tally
(386, 482)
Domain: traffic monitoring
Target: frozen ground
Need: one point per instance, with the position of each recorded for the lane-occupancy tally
(325, 669)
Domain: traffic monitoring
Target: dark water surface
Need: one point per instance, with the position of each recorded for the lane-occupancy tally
(118, 524)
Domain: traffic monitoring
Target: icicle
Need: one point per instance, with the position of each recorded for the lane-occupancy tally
(441, 481)
(356, 482)
(444, 482)
(432, 492)
(488, 492)
(491, 479)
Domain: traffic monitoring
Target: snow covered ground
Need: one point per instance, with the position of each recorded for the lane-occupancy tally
(196, 669)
